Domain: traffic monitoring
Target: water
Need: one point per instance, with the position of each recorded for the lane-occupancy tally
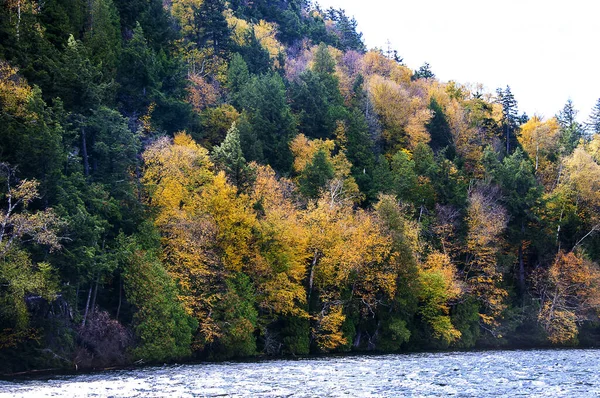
(547, 373)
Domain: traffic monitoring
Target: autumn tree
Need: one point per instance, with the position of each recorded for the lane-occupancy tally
(486, 220)
(569, 295)
(20, 275)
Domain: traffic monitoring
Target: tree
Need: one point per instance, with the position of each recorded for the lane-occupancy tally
(163, 329)
(211, 26)
(206, 230)
(138, 73)
(103, 36)
(571, 130)
(315, 175)
(269, 119)
(439, 128)
(424, 72)
(569, 294)
(21, 228)
(486, 220)
(593, 123)
(229, 158)
(349, 37)
(510, 116)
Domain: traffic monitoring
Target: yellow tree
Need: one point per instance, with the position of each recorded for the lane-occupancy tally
(206, 232)
(283, 242)
(486, 221)
(570, 294)
(540, 139)
(347, 252)
(403, 113)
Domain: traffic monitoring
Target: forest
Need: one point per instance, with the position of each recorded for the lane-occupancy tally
(209, 179)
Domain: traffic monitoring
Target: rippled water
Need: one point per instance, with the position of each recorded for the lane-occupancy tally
(568, 373)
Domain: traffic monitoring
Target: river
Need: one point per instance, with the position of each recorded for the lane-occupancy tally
(547, 373)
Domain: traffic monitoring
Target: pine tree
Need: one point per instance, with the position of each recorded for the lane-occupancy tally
(424, 72)
(229, 157)
(571, 130)
(510, 116)
(211, 26)
(593, 123)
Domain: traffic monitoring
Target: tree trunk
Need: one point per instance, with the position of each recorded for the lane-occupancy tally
(84, 153)
(521, 270)
(312, 275)
(120, 297)
(95, 294)
(87, 306)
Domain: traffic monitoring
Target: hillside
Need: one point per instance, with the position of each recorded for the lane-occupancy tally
(201, 179)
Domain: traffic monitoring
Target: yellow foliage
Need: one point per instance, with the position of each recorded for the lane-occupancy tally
(486, 220)
(285, 241)
(328, 332)
(15, 93)
(570, 293)
(266, 34)
(403, 113)
(541, 140)
(238, 27)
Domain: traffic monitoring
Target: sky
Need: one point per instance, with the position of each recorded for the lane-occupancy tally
(546, 51)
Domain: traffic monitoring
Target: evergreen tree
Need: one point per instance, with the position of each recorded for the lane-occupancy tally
(439, 129)
(211, 26)
(424, 72)
(571, 130)
(593, 123)
(138, 74)
(510, 117)
(315, 175)
(103, 36)
(349, 37)
(256, 56)
(229, 157)
(270, 121)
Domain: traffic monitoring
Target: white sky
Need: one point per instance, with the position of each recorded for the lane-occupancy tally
(546, 51)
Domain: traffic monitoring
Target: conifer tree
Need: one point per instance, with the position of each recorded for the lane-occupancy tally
(571, 130)
(593, 123)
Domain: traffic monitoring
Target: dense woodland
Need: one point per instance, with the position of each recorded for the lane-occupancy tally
(209, 179)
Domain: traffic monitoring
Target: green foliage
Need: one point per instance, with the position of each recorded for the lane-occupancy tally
(163, 329)
(238, 319)
(315, 175)
(138, 73)
(229, 157)
(103, 36)
(439, 129)
(271, 125)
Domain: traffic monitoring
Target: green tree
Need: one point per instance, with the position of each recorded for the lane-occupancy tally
(571, 130)
(439, 129)
(163, 330)
(138, 74)
(510, 117)
(315, 175)
(229, 157)
(593, 123)
(269, 120)
(211, 26)
(103, 36)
